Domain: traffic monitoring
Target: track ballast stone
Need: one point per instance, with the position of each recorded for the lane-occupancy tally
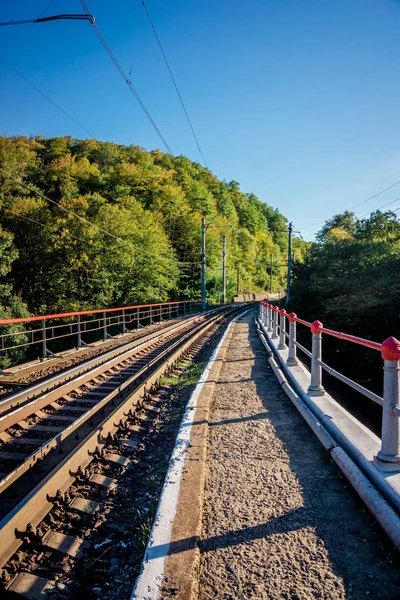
(279, 520)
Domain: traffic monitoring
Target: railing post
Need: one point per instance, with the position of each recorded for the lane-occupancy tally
(137, 318)
(282, 321)
(261, 312)
(44, 347)
(269, 318)
(315, 387)
(123, 322)
(78, 324)
(104, 326)
(275, 310)
(292, 360)
(389, 454)
(170, 311)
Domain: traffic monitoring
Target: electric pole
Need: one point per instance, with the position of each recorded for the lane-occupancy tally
(289, 263)
(203, 264)
(224, 270)
(270, 277)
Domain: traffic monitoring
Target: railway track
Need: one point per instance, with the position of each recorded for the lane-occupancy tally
(90, 417)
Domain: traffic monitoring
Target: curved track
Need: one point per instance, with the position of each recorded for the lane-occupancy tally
(50, 434)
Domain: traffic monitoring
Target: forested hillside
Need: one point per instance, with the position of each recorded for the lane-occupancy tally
(350, 280)
(88, 224)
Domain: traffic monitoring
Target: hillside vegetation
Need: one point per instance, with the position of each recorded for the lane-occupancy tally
(350, 280)
(88, 224)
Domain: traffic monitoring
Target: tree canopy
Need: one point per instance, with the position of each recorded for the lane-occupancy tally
(87, 224)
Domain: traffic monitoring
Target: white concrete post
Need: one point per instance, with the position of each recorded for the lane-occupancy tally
(123, 322)
(315, 387)
(282, 322)
(274, 322)
(269, 318)
(390, 448)
(292, 360)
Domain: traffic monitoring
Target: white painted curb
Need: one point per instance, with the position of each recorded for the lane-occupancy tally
(149, 581)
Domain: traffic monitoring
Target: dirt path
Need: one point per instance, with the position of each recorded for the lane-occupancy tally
(279, 519)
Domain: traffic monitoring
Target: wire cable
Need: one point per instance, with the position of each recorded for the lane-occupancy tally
(125, 78)
(41, 224)
(360, 203)
(46, 9)
(379, 208)
(58, 107)
(174, 82)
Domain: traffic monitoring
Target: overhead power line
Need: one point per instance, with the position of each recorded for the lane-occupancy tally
(102, 229)
(360, 203)
(174, 82)
(58, 107)
(379, 208)
(125, 78)
(46, 9)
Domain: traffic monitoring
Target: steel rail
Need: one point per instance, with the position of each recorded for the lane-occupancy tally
(34, 507)
(44, 449)
(54, 381)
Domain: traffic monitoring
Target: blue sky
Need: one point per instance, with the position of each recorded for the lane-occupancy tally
(297, 100)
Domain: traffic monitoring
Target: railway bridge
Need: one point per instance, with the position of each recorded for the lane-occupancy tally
(166, 452)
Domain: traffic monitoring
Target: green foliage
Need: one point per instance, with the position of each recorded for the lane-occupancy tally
(350, 280)
(150, 202)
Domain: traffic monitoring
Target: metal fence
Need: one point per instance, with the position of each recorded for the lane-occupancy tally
(275, 320)
(86, 326)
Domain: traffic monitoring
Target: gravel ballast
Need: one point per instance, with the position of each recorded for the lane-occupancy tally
(279, 519)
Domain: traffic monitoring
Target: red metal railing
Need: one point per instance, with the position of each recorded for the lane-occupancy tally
(390, 346)
(79, 324)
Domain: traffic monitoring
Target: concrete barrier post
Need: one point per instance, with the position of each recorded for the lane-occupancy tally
(275, 310)
(316, 388)
(269, 319)
(282, 322)
(123, 322)
(390, 448)
(292, 360)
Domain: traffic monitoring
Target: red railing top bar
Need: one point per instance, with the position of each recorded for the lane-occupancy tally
(390, 348)
(87, 312)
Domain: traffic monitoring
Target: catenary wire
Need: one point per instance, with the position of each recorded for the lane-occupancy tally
(125, 78)
(116, 237)
(379, 208)
(47, 97)
(41, 224)
(46, 9)
(360, 203)
(174, 82)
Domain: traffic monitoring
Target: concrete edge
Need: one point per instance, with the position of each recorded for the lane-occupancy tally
(378, 506)
(188, 457)
(354, 437)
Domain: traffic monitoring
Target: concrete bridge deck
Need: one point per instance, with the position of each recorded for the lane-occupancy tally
(278, 520)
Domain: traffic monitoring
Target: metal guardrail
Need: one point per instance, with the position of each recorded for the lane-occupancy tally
(275, 320)
(44, 329)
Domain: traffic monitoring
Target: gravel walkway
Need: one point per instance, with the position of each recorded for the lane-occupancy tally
(279, 520)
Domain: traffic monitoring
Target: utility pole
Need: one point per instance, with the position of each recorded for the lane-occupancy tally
(289, 263)
(270, 277)
(224, 270)
(203, 264)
